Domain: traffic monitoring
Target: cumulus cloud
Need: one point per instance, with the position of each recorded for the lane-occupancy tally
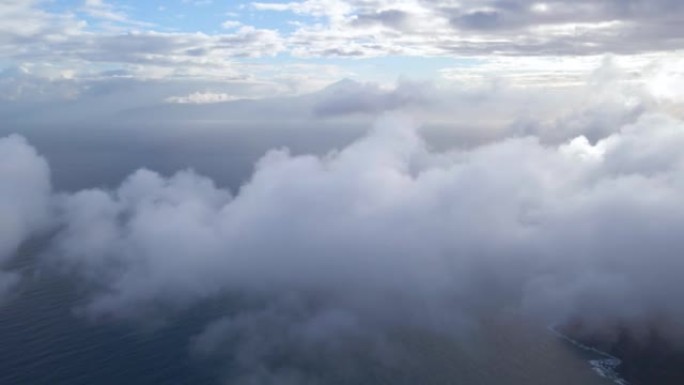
(24, 200)
(571, 219)
(384, 234)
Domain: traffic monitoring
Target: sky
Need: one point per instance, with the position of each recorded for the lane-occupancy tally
(212, 51)
(349, 168)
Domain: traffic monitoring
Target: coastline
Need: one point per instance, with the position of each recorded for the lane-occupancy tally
(606, 367)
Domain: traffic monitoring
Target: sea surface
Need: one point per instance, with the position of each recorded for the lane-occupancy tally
(44, 341)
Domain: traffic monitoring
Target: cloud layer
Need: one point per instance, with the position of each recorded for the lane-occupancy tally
(517, 27)
(381, 235)
(24, 200)
(67, 54)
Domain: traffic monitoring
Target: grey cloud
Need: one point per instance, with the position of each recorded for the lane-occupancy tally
(490, 104)
(529, 12)
(19, 84)
(340, 245)
(572, 213)
(66, 42)
(496, 108)
(291, 341)
(24, 201)
(369, 28)
(595, 119)
(316, 244)
(21, 22)
(649, 25)
(522, 27)
(429, 229)
(172, 48)
(349, 97)
(392, 18)
(480, 20)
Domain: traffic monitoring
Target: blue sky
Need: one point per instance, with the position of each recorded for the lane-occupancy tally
(188, 16)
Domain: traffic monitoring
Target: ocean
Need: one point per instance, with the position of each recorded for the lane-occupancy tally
(45, 341)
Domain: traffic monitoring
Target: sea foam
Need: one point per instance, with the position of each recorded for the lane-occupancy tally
(606, 367)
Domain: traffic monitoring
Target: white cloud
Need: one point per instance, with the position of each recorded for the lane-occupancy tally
(334, 9)
(103, 10)
(410, 27)
(317, 243)
(387, 215)
(230, 24)
(23, 22)
(201, 98)
(24, 200)
(66, 42)
(564, 201)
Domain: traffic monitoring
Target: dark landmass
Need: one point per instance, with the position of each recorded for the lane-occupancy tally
(648, 357)
(653, 362)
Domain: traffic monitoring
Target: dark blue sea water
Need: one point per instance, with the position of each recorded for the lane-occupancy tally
(45, 342)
